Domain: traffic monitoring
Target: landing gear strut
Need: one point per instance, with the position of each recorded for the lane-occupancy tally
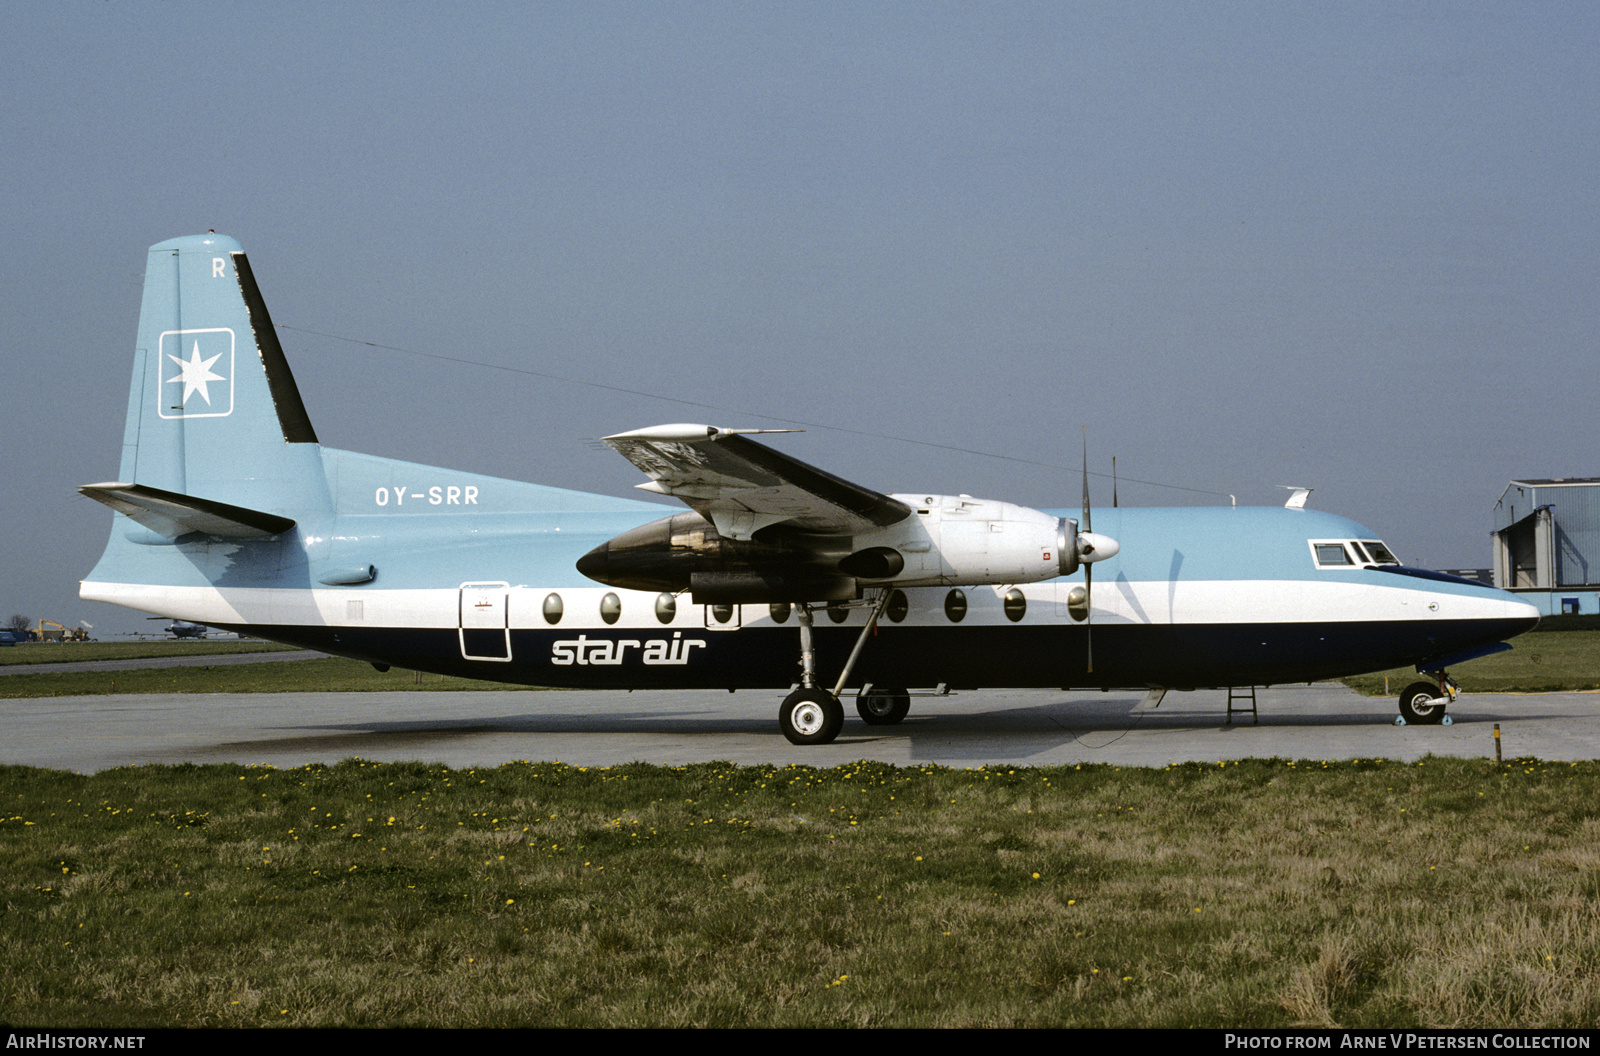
(1424, 703)
(811, 714)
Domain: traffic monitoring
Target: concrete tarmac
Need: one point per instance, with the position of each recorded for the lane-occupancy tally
(586, 728)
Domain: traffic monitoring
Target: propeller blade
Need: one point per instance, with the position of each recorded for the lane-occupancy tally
(1090, 548)
(1088, 568)
(1086, 525)
(1088, 618)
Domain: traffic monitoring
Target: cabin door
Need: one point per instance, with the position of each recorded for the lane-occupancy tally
(485, 624)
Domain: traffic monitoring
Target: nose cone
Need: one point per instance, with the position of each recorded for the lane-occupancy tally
(1524, 613)
(1501, 606)
(1486, 614)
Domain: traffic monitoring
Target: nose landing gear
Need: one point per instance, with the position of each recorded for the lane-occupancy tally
(1424, 703)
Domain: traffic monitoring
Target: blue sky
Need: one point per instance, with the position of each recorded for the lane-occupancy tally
(1348, 246)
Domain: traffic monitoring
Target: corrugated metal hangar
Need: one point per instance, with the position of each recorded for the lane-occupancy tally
(1547, 543)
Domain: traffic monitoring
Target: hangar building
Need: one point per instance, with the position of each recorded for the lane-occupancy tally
(1547, 543)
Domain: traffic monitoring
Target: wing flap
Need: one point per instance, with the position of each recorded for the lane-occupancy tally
(170, 514)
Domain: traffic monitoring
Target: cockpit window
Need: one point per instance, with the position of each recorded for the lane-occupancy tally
(1380, 553)
(1349, 553)
(1331, 554)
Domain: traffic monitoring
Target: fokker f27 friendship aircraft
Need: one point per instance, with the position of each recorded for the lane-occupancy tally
(229, 513)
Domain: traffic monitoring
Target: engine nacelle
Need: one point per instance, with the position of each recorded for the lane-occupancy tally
(955, 540)
(686, 552)
(947, 541)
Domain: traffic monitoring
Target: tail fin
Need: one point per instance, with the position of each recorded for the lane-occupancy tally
(213, 411)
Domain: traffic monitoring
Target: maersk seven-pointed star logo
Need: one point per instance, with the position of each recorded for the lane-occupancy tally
(196, 374)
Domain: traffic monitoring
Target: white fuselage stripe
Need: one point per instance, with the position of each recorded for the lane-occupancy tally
(1122, 602)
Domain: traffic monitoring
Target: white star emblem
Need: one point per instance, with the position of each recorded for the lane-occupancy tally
(194, 373)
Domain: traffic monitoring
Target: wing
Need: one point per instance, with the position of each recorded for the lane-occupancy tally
(742, 486)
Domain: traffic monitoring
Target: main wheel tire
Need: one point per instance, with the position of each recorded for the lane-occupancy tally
(883, 707)
(811, 716)
(1422, 704)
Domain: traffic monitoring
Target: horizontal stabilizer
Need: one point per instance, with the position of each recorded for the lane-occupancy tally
(169, 514)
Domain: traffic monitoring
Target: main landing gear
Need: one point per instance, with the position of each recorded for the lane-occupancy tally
(1423, 703)
(811, 714)
(882, 706)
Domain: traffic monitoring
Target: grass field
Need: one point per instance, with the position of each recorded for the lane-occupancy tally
(328, 674)
(1442, 893)
(75, 652)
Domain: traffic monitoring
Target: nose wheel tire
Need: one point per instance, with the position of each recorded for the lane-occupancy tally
(883, 707)
(1422, 704)
(811, 716)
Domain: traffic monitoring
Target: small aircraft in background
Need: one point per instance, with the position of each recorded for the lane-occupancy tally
(182, 629)
(231, 514)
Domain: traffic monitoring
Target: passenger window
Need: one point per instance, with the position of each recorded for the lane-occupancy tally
(899, 607)
(955, 606)
(1015, 605)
